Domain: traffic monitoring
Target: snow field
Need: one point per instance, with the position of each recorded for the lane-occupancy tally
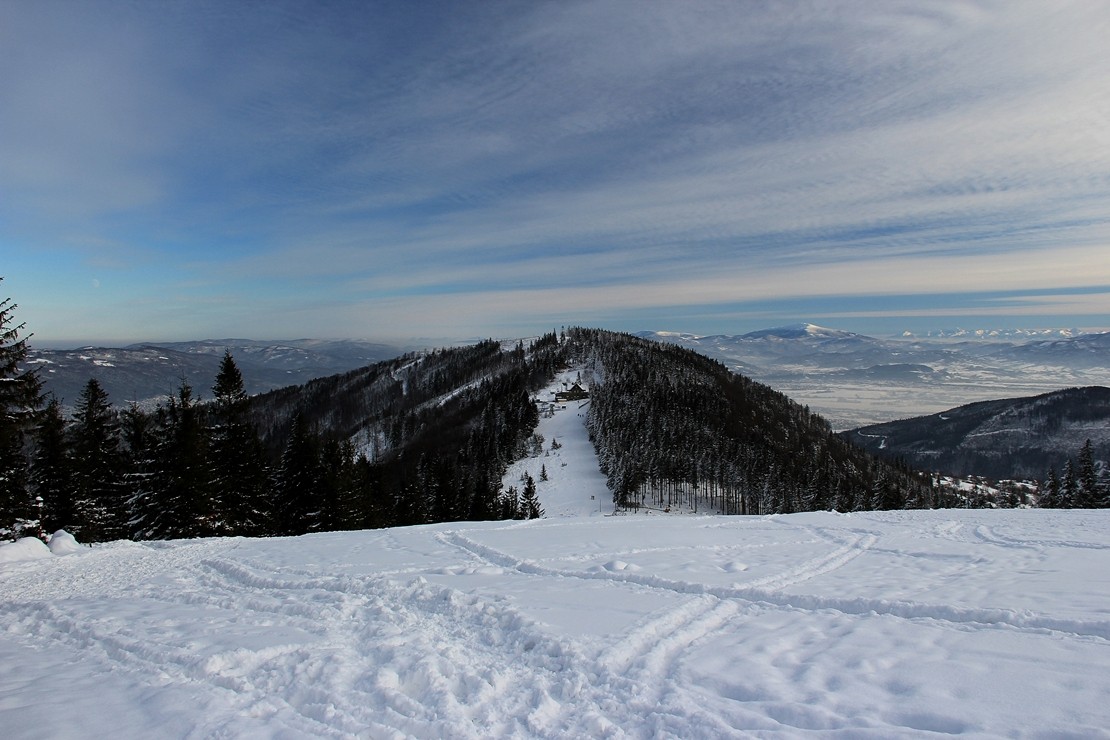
(978, 623)
(575, 486)
(876, 625)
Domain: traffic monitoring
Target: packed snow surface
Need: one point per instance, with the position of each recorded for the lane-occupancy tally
(874, 625)
(980, 623)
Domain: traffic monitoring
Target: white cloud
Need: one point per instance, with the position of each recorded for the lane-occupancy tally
(593, 156)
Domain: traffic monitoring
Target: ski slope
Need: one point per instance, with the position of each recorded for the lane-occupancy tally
(876, 625)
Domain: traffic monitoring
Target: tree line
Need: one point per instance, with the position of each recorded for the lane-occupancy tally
(438, 430)
(1083, 484)
(675, 428)
(427, 437)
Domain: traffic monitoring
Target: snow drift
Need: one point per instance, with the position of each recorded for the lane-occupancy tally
(891, 624)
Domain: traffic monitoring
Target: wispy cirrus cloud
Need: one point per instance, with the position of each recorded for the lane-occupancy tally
(485, 166)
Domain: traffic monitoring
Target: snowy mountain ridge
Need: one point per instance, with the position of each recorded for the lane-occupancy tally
(1010, 334)
(1016, 438)
(149, 372)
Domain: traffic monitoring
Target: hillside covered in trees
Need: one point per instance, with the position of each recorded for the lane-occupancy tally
(675, 428)
(1016, 438)
(421, 438)
(425, 437)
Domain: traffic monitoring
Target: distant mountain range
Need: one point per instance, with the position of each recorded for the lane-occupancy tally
(147, 373)
(1012, 438)
(851, 379)
(995, 335)
(854, 379)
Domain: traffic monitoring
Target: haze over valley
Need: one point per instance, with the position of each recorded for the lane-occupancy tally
(854, 380)
(851, 379)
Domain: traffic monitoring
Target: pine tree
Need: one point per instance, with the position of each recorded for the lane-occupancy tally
(137, 434)
(298, 482)
(339, 488)
(1068, 487)
(20, 395)
(845, 500)
(176, 500)
(99, 504)
(238, 479)
(1087, 494)
(1102, 486)
(529, 502)
(1050, 493)
(52, 469)
(510, 504)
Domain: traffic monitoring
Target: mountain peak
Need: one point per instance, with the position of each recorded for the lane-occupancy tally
(800, 331)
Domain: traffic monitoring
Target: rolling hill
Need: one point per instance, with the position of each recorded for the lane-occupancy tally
(1015, 438)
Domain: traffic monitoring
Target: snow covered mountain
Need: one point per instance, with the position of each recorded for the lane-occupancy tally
(147, 373)
(811, 332)
(855, 380)
(1016, 438)
(666, 419)
(996, 335)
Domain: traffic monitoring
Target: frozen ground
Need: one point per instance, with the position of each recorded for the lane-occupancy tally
(879, 625)
(978, 623)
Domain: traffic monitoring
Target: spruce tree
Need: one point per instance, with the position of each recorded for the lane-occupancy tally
(1102, 486)
(137, 434)
(99, 505)
(1068, 488)
(298, 482)
(238, 478)
(510, 504)
(1050, 492)
(52, 469)
(529, 503)
(176, 501)
(1087, 494)
(20, 395)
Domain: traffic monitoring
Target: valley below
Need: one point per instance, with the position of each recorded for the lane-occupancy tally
(855, 380)
(848, 403)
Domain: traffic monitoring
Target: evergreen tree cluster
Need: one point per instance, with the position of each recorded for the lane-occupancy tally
(19, 397)
(675, 428)
(424, 438)
(439, 430)
(1084, 484)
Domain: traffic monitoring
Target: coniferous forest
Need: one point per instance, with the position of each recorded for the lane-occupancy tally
(423, 438)
(675, 428)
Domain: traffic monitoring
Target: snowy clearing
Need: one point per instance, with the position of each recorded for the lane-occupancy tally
(876, 625)
(976, 623)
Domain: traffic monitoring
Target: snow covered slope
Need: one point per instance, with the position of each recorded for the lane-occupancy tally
(575, 485)
(881, 625)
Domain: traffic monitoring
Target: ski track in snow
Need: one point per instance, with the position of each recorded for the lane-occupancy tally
(880, 625)
(318, 643)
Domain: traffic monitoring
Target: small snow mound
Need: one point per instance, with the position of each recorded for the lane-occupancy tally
(615, 566)
(26, 548)
(63, 543)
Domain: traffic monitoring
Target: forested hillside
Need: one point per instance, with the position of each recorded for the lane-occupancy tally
(427, 437)
(421, 438)
(1015, 438)
(676, 428)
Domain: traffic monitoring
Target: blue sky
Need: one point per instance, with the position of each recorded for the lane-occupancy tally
(395, 170)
